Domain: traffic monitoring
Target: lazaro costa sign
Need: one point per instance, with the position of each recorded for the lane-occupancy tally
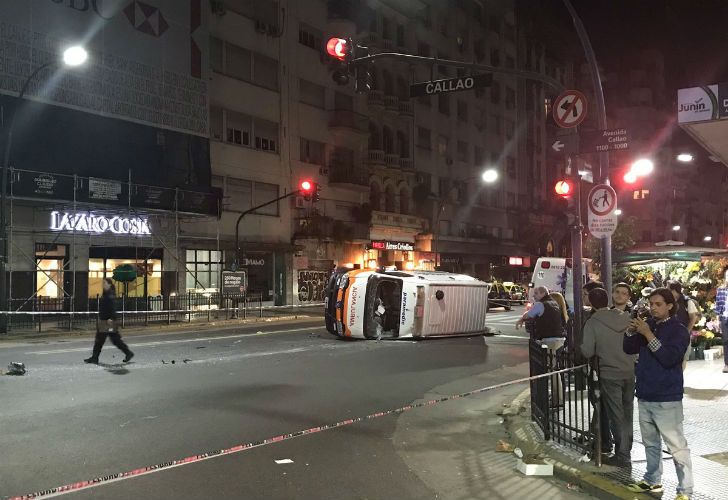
(86, 222)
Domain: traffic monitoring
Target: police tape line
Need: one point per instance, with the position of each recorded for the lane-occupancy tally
(160, 311)
(82, 485)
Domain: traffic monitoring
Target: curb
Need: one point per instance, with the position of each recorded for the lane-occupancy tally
(526, 436)
(184, 327)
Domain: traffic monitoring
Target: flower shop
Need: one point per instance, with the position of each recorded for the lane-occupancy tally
(699, 271)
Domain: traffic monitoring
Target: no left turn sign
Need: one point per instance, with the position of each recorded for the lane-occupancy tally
(570, 109)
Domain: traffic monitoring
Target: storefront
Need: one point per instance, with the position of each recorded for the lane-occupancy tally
(383, 253)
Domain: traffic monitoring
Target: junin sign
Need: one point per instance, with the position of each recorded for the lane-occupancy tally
(89, 223)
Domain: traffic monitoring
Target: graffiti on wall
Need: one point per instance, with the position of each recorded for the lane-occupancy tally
(311, 285)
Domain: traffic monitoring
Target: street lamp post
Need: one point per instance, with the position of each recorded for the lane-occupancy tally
(72, 56)
(488, 176)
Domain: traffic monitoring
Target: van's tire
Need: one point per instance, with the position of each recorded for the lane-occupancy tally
(508, 308)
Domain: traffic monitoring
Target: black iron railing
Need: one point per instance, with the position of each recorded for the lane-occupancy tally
(563, 405)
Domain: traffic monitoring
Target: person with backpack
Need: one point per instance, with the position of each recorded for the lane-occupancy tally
(687, 312)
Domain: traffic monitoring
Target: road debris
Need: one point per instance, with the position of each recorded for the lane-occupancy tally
(503, 446)
(16, 368)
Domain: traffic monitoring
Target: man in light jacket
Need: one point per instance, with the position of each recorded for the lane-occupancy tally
(603, 333)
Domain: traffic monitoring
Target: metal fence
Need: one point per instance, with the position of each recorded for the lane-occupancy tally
(563, 405)
(46, 314)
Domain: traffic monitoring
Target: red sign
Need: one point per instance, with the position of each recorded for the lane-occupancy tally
(515, 261)
(378, 245)
(570, 109)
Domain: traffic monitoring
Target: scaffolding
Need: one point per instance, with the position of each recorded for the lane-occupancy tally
(163, 235)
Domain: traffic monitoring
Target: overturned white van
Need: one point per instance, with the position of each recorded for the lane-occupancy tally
(369, 304)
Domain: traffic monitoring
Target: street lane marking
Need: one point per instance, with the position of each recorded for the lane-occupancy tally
(180, 341)
(120, 476)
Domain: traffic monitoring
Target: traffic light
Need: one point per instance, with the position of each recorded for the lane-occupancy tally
(316, 191)
(307, 189)
(341, 51)
(565, 188)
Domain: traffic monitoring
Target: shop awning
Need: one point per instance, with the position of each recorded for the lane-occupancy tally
(703, 113)
(646, 255)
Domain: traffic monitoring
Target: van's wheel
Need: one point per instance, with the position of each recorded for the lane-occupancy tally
(508, 308)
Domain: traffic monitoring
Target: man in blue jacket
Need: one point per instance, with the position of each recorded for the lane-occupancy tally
(661, 343)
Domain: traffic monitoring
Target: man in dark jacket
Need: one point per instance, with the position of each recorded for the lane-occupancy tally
(661, 343)
(107, 325)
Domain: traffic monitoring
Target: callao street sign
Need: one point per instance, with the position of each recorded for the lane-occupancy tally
(570, 108)
(598, 141)
(602, 204)
(451, 85)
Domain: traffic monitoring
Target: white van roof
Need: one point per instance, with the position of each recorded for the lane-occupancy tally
(433, 276)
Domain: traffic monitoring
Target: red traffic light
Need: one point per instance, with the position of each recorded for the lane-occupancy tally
(630, 177)
(564, 188)
(338, 48)
(306, 186)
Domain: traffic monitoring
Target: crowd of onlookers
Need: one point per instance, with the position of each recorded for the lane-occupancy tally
(642, 349)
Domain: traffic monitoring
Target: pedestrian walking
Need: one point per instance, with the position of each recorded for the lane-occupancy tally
(661, 342)
(603, 338)
(722, 311)
(548, 330)
(106, 325)
(586, 305)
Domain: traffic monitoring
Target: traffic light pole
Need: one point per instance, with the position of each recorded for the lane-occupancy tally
(576, 259)
(606, 265)
(250, 211)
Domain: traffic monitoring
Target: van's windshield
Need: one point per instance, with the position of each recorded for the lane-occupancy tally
(382, 307)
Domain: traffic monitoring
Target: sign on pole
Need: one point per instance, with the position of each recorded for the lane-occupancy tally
(570, 109)
(234, 282)
(451, 85)
(598, 141)
(602, 206)
(565, 144)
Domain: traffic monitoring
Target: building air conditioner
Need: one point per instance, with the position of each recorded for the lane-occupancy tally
(299, 202)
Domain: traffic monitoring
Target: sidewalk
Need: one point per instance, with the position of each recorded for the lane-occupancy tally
(705, 407)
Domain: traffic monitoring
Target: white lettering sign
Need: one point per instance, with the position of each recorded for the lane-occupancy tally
(97, 224)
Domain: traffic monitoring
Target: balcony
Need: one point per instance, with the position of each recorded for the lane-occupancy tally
(380, 218)
(406, 108)
(391, 160)
(375, 157)
(322, 227)
(406, 164)
(349, 120)
(387, 45)
(391, 103)
(373, 40)
(375, 99)
(349, 175)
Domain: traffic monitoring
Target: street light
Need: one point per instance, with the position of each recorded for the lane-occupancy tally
(684, 157)
(73, 56)
(676, 228)
(490, 176)
(618, 211)
(642, 167)
(708, 238)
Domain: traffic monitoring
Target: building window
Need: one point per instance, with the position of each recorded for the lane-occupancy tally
(444, 70)
(312, 94)
(462, 111)
(237, 128)
(511, 167)
(312, 152)
(510, 98)
(310, 37)
(240, 128)
(443, 104)
(400, 36)
(495, 57)
(423, 49)
(510, 129)
(238, 62)
(266, 135)
(479, 156)
(424, 138)
(264, 192)
(641, 194)
(462, 151)
(495, 93)
(204, 268)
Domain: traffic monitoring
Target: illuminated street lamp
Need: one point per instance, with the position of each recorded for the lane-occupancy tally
(708, 238)
(73, 57)
(642, 167)
(618, 211)
(684, 157)
(676, 228)
(490, 176)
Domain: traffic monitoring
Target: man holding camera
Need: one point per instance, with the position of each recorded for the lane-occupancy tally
(661, 342)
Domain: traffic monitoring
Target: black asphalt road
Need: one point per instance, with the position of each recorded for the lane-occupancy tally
(196, 392)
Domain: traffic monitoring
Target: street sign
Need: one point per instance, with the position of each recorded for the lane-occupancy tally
(451, 85)
(602, 204)
(566, 144)
(234, 282)
(570, 109)
(598, 141)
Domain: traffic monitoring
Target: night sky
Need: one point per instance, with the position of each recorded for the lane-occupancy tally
(693, 34)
